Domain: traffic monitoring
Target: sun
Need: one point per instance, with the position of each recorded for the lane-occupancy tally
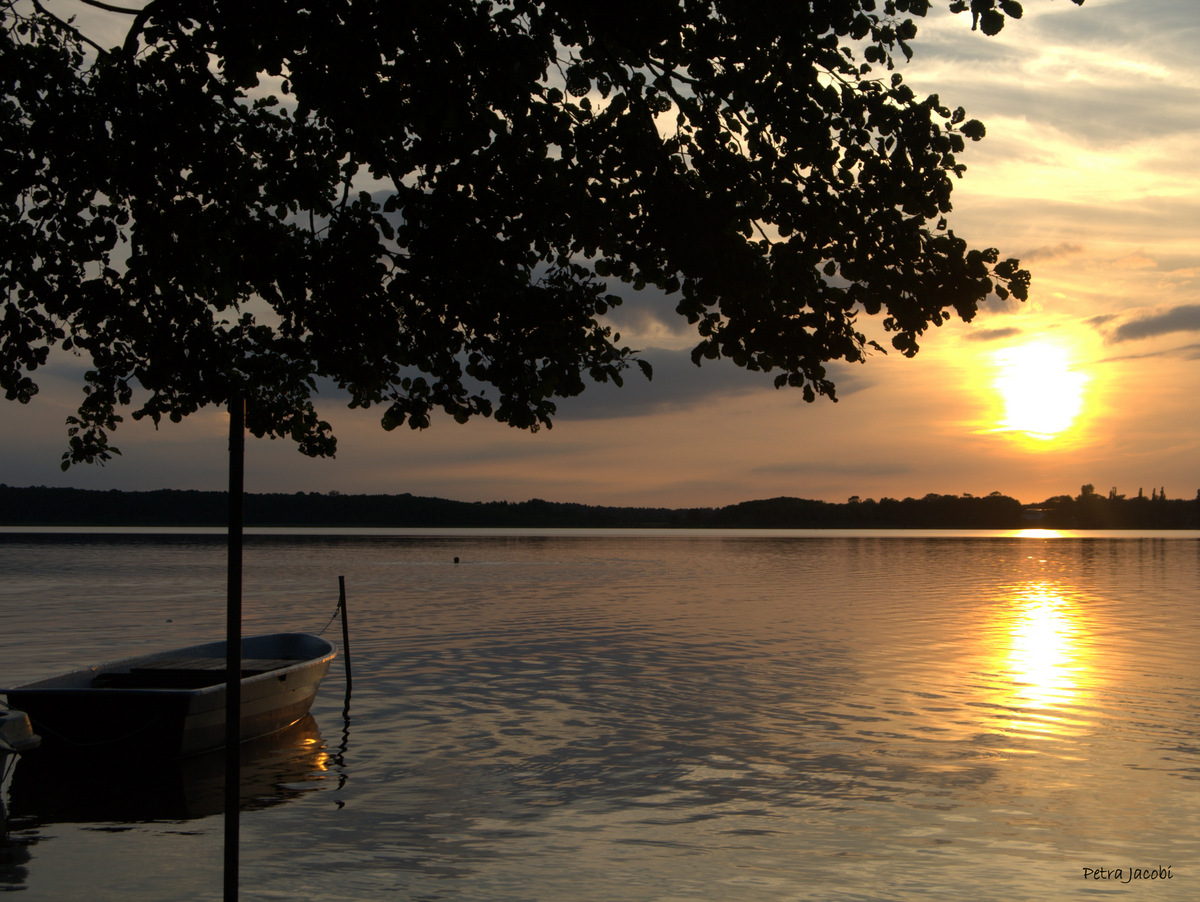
(1042, 392)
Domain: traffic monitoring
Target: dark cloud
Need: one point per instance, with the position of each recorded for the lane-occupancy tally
(1083, 71)
(993, 334)
(1098, 321)
(1162, 26)
(1185, 352)
(1052, 252)
(1185, 318)
(650, 311)
(993, 304)
(679, 384)
(954, 43)
(822, 468)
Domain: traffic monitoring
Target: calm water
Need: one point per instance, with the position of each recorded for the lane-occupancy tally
(633, 717)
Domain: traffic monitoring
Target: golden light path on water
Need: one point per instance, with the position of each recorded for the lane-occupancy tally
(1044, 650)
(1043, 647)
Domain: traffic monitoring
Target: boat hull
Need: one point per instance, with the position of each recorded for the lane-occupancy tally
(173, 703)
(16, 733)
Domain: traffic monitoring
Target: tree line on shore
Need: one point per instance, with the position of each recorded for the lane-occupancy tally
(43, 506)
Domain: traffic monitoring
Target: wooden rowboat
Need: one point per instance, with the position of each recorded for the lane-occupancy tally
(173, 703)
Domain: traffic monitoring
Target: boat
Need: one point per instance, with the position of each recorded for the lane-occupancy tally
(16, 733)
(172, 704)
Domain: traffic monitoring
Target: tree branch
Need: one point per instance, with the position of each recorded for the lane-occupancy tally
(139, 23)
(111, 9)
(69, 28)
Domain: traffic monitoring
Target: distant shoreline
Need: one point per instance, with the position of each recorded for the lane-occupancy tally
(43, 506)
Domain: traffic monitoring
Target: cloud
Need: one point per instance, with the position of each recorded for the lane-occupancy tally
(647, 317)
(1088, 70)
(1052, 252)
(817, 468)
(679, 384)
(1185, 318)
(1136, 260)
(992, 334)
(1184, 352)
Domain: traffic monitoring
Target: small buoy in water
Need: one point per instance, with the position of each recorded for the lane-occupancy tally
(456, 560)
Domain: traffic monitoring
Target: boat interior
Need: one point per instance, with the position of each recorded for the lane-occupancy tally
(183, 673)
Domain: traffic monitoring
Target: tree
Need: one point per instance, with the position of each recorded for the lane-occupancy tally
(426, 203)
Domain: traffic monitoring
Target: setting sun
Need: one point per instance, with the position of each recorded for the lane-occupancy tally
(1041, 391)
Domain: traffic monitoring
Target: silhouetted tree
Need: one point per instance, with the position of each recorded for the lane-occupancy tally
(422, 201)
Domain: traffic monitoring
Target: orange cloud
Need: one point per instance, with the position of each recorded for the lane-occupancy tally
(1136, 260)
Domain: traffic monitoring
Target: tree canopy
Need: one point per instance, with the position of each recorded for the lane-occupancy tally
(434, 205)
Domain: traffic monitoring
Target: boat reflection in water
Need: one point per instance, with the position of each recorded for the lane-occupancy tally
(74, 789)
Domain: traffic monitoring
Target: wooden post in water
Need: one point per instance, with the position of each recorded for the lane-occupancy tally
(233, 646)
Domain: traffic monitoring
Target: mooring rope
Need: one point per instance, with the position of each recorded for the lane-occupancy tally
(336, 610)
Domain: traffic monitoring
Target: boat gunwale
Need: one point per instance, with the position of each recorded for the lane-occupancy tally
(55, 684)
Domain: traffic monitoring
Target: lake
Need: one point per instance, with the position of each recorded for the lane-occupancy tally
(735, 717)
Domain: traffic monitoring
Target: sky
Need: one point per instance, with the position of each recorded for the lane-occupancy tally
(1088, 174)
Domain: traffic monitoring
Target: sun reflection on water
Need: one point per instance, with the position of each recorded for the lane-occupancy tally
(1045, 649)
(1036, 532)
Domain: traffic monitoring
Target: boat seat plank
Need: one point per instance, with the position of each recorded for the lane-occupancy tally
(259, 665)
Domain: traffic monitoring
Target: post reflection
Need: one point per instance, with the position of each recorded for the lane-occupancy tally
(1043, 638)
